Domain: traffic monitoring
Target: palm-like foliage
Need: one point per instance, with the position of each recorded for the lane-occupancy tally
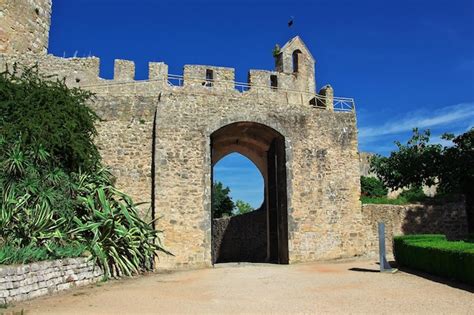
(41, 205)
(108, 220)
(27, 199)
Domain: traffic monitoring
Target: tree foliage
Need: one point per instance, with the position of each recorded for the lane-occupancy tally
(222, 204)
(419, 163)
(413, 164)
(372, 187)
(48, 114)
(457, 169)
(242, 207)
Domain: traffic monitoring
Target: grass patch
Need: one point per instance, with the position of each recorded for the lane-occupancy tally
(10, 255)
(405, 199)
(436, 255)
(383, 200)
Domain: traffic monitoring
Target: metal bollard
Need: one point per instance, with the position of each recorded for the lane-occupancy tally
(384, 265)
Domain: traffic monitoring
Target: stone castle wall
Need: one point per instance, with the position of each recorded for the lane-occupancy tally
(321, 149)
(155, 137)
(240, 238)
(125, 136)
(24, 26)
(448, 219)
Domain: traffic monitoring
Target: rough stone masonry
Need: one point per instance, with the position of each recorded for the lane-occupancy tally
(156, 135)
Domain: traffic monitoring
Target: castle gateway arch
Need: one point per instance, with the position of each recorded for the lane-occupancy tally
(265, 147)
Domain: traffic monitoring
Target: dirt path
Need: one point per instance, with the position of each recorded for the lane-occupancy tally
(254, 288)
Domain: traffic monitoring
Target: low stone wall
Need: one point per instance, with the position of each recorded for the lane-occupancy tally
(23, 282)
(448, 219)
(240, 238)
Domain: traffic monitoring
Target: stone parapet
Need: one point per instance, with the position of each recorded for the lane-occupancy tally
(24, 282)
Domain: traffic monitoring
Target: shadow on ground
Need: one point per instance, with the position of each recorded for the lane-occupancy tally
(448, 282)
(438, 279)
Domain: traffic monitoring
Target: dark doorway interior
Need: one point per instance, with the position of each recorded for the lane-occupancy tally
(262, 235)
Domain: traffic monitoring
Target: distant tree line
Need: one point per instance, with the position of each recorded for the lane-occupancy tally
(224, 206)
(419, 163)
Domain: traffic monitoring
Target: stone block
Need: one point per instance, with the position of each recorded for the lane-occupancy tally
(64, 286)
(124, 70)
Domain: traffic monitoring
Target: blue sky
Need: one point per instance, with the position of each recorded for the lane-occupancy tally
(407, 63)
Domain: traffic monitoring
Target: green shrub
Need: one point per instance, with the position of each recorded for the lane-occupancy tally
(434, 254)
(48, 114)
(383, 200)
(372, 187)
(36, 204)
(414, 194)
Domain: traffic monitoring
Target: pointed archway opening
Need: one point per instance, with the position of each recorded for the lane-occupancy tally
(265, 147)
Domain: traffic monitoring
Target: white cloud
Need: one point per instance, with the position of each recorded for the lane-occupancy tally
(421, 119)
(439, 140)
(236, 169)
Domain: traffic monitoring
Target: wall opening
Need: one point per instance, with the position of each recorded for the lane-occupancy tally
(265, 147)
(238, 211)
(274, 82)
(209, 77)
(296, 60)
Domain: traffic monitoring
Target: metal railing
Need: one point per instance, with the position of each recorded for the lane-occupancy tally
(340, 104)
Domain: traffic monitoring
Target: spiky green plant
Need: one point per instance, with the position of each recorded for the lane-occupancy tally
(28, 200)
(121, 242)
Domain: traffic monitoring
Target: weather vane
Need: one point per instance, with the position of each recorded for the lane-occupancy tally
(290, 22)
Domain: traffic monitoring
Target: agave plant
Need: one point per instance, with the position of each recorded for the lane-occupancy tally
(119, 240)
(29, 202)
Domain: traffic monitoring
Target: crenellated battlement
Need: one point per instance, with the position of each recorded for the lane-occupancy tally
(292, 81)
(204, 79)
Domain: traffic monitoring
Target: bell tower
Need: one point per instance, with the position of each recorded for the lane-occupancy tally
(296, 59)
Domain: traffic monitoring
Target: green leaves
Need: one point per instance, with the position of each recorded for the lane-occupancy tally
(121, 242)
(414, 164)
(372, 187)
(242, 207)
(420, 163)
(15, 163)
(222, 204)
(436, 255)
(53, 190)
(49, 116)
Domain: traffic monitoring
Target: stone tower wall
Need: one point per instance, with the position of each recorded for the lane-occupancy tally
(24, 26)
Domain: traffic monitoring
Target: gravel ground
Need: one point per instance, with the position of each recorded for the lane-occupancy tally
(327, 287)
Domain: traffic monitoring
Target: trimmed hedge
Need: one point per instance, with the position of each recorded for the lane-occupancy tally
(436, 255)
